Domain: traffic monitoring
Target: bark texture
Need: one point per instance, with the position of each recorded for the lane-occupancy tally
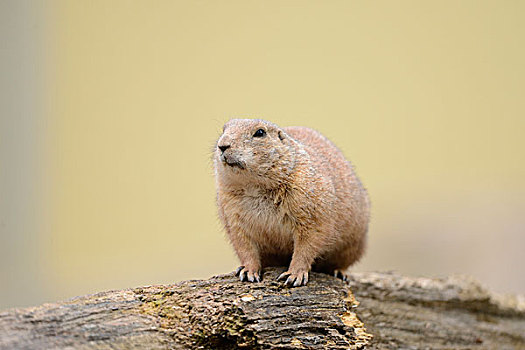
(223, 313)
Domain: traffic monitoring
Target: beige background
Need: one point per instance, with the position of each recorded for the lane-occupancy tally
(110, 110)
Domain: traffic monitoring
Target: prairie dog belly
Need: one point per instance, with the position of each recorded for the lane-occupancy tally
(267, 224)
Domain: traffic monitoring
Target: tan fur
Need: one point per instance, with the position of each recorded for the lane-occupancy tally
(289, 197)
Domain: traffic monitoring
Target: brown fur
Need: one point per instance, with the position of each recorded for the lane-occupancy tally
(289, 197)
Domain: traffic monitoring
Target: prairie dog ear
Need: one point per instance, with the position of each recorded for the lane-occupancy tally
(281, 135)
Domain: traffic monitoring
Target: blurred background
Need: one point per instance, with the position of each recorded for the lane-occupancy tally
(109, 111)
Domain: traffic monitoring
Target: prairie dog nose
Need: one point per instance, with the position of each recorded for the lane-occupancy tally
(224, 148)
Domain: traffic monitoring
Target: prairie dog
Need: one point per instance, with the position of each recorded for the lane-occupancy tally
(288, 197)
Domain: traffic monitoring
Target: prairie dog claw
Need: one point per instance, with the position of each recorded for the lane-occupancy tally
(246, 274)
(294, 279)
(341, 275)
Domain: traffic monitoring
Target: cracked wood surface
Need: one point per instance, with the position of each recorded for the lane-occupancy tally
(223, 313)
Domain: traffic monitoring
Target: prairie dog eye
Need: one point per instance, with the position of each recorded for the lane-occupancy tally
(259, 133)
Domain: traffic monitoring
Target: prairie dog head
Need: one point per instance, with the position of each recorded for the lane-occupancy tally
(251, 149)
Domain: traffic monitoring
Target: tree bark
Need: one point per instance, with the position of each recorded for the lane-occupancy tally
(375, 311)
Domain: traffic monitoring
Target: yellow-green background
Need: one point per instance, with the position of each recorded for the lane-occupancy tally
(110, 110)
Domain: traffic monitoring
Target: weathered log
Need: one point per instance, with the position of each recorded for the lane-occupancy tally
(450, 313)
(223, 313)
